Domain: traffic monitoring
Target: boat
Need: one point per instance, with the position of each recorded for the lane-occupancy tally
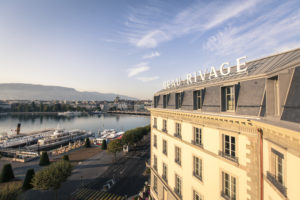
(108, 134)
(69, 114)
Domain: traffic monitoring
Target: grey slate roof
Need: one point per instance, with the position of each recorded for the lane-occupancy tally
(262, 66)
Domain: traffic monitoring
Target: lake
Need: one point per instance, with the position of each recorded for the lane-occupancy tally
(94, 123)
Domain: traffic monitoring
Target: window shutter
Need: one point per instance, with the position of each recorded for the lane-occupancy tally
(223, 100)
(168, 98)
(182, 96)
(202, 96)
(195, 100)
(236, 94)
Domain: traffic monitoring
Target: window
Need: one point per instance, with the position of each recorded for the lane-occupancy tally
(177, 185)
(164, 129)
(179, 99)
(273, 96)
(156, 100)
(275, 176)
(178, 155)
(228, 186)
(155, 122)
(177, 130)
(228, 98)
(197, 168)
(196, 196)
(165, 172)
(165, 147)
(155, 140)
(155, 162)
(198, 99)
(155, 183)
(197, 136)
(229, 148)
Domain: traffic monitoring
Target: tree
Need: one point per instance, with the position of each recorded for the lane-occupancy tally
(10, 191)
(27, 181)
(7, 173)
(44, 160)
(66, 158)
(104, 145)
(87, 142)
(115, 146)
(52, 176)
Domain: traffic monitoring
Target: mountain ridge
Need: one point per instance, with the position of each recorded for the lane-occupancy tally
(25, 91)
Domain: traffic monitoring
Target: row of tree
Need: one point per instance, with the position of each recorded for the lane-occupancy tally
(47, 178)
(33, 107)
(130, 137)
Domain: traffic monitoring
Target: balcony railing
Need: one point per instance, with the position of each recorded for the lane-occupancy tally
(177, 135)
(229, 157)
(165, 152)
(226, 196)
(165, 178)
(197, 143)
(178, 192)
(164, 130)
(197, 176)
(155, 167)
(178, 161)
(154, 126)
(278, 185)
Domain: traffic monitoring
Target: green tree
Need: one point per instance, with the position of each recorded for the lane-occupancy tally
(104, 145)
(87, 143)
(27, 181)
(52, 176)
(7, 173)
(66, 158)
(44, 160)
(115, 146)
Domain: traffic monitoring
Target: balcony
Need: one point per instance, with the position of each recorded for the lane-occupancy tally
(197, 176)
(225, 196)
(154, 126)
(164, 130)
(165, 178)
(229, 157)
(178, 161)
(276, 183)
(165, 152)
(177, 135)
(197, 143)
(178, 192)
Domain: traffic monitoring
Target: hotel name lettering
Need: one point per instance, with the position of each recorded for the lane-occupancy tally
(199, 76)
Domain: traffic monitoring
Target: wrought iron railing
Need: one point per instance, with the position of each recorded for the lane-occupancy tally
(229, 157)
(276, 183)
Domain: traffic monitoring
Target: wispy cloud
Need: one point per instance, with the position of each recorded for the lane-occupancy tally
(152, 55)
(276, 30)
(198, 17)
(147, 79)
(137, 69)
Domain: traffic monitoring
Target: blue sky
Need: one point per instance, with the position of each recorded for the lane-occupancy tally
(131, 46)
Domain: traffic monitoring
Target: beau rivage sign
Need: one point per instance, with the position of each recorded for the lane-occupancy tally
(199, 76)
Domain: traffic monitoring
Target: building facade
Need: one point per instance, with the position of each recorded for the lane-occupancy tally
(229, 137)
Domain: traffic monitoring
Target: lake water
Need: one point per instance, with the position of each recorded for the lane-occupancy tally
(94, 123)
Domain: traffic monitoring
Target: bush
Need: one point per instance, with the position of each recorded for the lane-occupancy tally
(104, 145)
(133, 136)
(7, 173)
(66, 158)
(10, 191)
(27, 181)
(44, 160)
(87, 142)
(52, 176)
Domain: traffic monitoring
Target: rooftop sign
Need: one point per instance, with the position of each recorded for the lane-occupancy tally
(199, 76)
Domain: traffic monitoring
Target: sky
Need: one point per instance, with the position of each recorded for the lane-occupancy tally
(131, 47)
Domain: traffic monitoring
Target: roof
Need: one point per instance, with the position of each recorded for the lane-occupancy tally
(259, 67)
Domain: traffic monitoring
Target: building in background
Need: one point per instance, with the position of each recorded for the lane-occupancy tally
(234, 136)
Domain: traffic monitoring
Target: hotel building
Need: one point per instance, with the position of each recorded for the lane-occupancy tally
(229, 137)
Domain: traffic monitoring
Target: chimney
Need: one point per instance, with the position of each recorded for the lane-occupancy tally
(18, 128)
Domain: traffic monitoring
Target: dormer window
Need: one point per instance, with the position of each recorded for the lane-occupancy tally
(179, 99)
(198, 99)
